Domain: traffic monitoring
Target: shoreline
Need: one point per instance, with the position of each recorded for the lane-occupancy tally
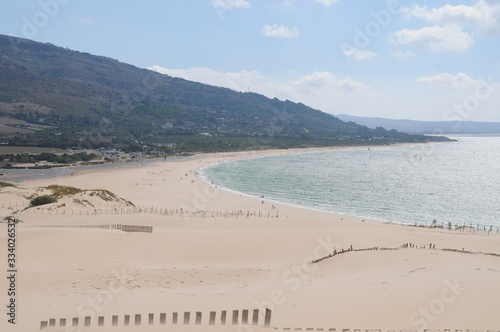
(132, 163)
(200, 172)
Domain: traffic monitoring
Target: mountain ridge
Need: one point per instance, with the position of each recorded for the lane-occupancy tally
(426, 127)
(98, 101)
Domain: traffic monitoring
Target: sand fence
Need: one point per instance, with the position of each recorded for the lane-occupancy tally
(124, 228)
(238, 317)
(404, 246)
(153, 210)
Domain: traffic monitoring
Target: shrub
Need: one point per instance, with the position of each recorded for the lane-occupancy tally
(42, 200)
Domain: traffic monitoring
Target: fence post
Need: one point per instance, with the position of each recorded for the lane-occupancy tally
(255, 317)
(212, 318)
(137, 319)
(244, 317)
(267, 320)
(235, 317)
(187, 316)
(223, 317)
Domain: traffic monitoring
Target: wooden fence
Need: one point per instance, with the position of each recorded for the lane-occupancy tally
(124, 228)
(404, 246)
(247, 317)
(161, 211)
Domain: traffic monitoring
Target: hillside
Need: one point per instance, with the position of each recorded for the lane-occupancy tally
(426, 127)
(56, 97)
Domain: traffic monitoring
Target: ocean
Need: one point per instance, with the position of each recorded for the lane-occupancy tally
(453, 182)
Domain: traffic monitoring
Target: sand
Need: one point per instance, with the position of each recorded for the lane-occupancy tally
(213, 250)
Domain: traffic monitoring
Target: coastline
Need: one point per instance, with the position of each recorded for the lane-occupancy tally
(229, 260)
(202, 174)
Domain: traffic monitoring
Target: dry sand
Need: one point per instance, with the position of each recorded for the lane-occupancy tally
(220, 259)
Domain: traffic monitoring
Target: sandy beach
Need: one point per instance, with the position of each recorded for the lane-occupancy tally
(213, 251)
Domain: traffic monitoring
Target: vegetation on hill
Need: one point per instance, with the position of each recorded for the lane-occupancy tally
(6, 184)
(91, 101)
(61, 191)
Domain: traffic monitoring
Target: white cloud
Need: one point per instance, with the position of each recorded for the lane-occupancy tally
(435, 38)
(459, 80)
(327, 3)
(230, 4)
(323, 82)
(490, 24)
(358, 54)
(279, 31)
(447, 14)
(483, 15)
(350, 85)
(403, 54)
(223, 6)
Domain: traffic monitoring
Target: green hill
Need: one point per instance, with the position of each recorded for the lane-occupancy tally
(67, 98)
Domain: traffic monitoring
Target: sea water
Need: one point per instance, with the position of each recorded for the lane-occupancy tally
(454, 182)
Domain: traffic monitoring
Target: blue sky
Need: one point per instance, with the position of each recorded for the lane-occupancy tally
(423, 60)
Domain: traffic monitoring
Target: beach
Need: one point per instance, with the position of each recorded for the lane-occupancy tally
(213, 250)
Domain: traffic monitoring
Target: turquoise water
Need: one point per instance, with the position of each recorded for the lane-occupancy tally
(456, 182)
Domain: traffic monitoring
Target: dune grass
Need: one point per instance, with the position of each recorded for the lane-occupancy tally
(6, 184)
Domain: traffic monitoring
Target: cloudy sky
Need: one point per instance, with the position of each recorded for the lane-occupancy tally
(422, 60)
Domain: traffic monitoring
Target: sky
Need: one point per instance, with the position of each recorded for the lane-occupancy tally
(400, 59)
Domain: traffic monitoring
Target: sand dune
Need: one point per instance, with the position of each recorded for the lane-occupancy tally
(213, 250)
